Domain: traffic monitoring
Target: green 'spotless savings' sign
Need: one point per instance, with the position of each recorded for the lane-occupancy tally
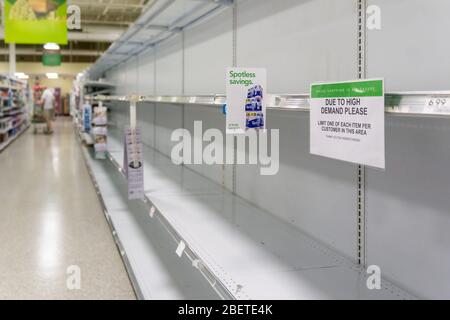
(35, 21)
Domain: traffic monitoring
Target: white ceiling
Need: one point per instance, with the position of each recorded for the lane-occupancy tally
(110, 12)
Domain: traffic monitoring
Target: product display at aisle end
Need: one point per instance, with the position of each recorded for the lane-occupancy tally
(88, 114)
(14, 118)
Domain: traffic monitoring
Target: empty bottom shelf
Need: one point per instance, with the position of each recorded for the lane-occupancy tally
(148, 251)
(251, 253)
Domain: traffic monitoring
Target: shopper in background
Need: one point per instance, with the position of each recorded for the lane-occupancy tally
(48, 101)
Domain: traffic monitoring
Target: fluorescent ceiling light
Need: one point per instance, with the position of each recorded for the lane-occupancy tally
(51, 46)
(52, 75)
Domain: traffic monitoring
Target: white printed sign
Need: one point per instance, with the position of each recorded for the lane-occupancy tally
(347, 121)
(246, 103)
(133, 163)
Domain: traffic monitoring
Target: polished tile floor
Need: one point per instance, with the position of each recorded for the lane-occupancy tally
(52, 224)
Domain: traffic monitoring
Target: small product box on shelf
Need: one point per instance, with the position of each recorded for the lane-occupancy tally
(100, 131)
(87, 118)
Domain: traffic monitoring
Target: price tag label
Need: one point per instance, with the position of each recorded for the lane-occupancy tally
(180, 249)
(152, 212)
(434, 104)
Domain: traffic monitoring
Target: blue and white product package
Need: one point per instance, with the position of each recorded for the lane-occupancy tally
(100, 131)
(100, 135)
(87, 118)
(255, 120)
(253, 108)
(246, 105)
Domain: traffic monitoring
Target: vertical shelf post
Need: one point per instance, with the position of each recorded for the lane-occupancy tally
(361, 170)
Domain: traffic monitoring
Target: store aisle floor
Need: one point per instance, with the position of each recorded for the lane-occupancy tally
(51, 224)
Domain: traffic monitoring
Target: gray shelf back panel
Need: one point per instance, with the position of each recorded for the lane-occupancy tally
(408, 205)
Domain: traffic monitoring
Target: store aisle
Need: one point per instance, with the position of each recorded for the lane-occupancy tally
(51, 223)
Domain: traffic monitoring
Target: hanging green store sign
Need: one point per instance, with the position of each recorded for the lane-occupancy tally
(35, 21)
(52, 59)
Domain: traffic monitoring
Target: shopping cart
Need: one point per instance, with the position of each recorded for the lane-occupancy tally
(39, 122)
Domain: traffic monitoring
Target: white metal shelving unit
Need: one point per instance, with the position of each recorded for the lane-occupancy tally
(162, 20)
(274, 259)
(249, 253)
(14, 117)
(6, 143)
(243, 252)
(401, 202)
